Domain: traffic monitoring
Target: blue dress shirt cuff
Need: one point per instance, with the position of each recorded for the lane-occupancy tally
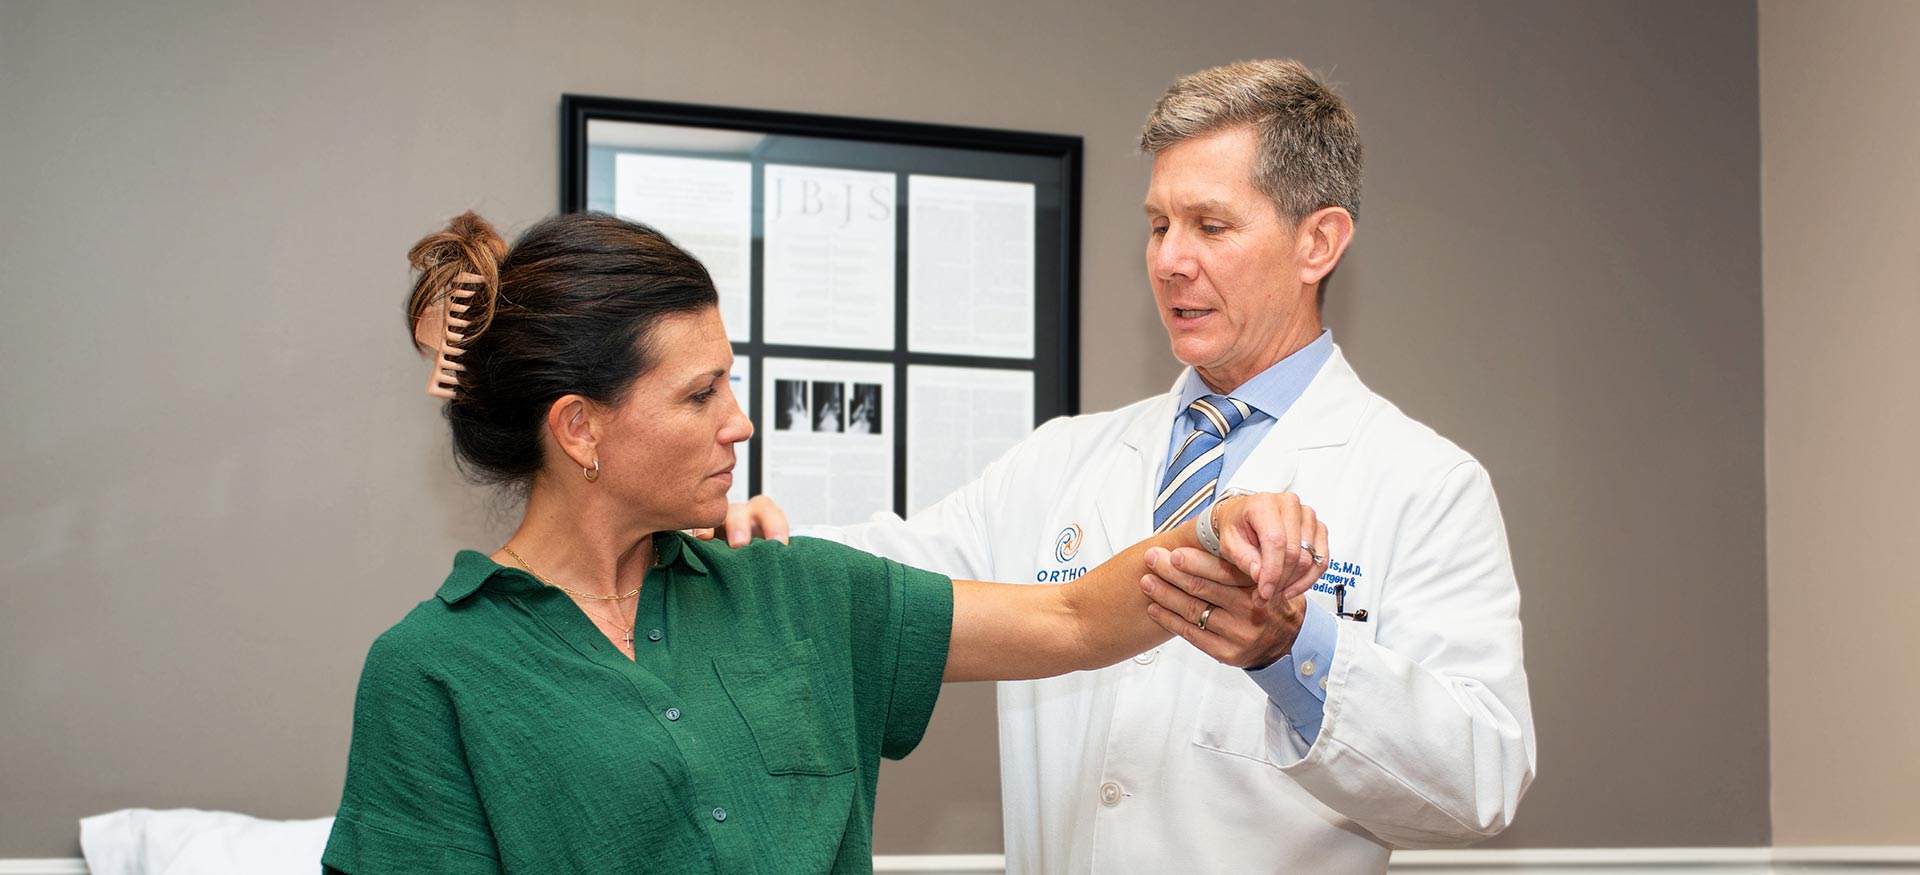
(1297, 683)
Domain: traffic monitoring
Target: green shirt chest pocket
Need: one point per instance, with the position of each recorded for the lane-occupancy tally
(799, 722)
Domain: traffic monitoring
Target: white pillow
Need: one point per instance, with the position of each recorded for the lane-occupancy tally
(141, 841)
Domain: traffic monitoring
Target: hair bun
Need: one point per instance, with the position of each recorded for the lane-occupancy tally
(468, 245)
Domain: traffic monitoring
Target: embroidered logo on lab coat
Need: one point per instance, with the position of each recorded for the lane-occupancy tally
(1066, 545)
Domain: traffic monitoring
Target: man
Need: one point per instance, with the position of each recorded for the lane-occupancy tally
(1388, 707)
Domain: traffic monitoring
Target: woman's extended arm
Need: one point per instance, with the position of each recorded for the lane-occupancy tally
(1020, 631)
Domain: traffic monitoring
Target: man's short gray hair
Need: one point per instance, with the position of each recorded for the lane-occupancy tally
(1309, 154)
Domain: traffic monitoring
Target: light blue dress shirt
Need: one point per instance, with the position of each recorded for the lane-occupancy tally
(1293, 682)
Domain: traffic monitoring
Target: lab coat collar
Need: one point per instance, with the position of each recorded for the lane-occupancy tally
(1327, 414)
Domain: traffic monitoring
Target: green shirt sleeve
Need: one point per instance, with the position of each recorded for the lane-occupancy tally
(901, 624)
(410, 803)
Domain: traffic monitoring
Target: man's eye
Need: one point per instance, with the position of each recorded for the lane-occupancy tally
(1158, 230)
(1213, 229)
(704, 396)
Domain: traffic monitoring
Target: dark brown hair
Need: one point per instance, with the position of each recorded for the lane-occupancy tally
(569, 309)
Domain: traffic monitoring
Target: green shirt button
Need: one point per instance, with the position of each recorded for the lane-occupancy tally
(653, 634)
(720, 814)
(673, 713)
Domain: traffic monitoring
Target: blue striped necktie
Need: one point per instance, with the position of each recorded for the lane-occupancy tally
(1195, 469)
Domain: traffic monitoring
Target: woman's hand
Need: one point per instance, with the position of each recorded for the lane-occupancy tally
(746, 520)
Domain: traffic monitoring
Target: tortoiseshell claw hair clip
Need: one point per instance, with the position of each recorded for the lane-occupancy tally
(442, 329)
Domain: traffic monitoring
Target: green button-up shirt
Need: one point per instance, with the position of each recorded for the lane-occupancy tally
(497, 730)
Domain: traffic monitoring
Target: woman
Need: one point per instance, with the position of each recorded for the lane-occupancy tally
(607, 694)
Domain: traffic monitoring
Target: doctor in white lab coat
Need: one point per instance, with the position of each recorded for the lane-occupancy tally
(1385, 708)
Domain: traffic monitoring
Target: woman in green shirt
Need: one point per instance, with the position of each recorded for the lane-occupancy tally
(607, 694)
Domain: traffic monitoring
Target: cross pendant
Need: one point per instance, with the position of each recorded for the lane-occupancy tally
(629, 639)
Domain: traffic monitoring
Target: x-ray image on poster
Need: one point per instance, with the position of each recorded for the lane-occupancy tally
(960, 419)
(829, 257)
(828, 460)
(738, 381)
(864, 411)
(829, 406)
(790, 407)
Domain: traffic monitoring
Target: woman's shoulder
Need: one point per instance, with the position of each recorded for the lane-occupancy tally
(813, 557)
(438, 624)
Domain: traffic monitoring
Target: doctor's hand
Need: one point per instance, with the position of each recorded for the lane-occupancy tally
(757, 516)
(1215, 607)
(1277, 541)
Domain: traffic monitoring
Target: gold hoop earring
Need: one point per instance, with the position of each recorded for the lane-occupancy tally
(592, 473)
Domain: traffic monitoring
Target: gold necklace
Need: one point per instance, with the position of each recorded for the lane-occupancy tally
(575, 593)
(626, 629)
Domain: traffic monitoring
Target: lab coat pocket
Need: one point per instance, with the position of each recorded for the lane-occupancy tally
(799, 727)
(1232, 717)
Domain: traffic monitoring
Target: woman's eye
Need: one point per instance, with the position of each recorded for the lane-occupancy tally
(704, 395)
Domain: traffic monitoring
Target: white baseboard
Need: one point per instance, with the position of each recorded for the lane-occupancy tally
(941, 864)
(1570, 861)
(43, 867)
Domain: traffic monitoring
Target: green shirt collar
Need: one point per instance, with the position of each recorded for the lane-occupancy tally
(472, 569)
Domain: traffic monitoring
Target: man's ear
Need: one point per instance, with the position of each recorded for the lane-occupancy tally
(575, 429)
(1323, 238)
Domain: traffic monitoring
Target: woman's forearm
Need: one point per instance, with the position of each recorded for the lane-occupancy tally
(1021, 631)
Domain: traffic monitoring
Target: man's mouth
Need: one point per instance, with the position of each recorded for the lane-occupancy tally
(1186, 313)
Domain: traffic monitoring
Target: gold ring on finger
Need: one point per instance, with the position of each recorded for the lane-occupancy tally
(1204, 616)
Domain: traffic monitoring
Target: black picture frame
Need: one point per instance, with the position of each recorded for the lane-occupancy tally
(902, 148)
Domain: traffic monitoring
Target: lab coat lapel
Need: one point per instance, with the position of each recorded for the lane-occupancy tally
(1125, 496)
(1325, 415)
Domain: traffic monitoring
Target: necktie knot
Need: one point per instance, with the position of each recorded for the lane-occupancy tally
(1217, 415)
(1195, 467)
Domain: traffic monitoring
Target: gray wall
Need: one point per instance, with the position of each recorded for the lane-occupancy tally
(1840, 132)
(222, 480)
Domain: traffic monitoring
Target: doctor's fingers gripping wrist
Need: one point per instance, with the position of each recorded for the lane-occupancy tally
(1310, 572)
(1199, 574)
(1230, 638)
(1179, 613)
(1261, 535)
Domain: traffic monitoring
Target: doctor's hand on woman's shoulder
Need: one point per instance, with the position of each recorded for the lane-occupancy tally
(757, 517)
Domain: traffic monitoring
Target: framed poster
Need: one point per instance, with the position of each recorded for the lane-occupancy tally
(903, 299)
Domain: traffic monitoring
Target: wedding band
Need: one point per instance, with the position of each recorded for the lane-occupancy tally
(1203, 618)
(1317, 558)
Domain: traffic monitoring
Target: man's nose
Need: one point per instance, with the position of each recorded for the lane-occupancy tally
(1170, 256)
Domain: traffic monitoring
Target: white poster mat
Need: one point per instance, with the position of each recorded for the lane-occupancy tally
(830, 257)
(970, 266)
(827, 431)
(958, 420)
(705, 206)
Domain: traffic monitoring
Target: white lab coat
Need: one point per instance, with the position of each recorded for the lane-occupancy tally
(1172, 762)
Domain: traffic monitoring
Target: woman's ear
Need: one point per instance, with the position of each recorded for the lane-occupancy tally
(575, 429)
(1324, 236)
